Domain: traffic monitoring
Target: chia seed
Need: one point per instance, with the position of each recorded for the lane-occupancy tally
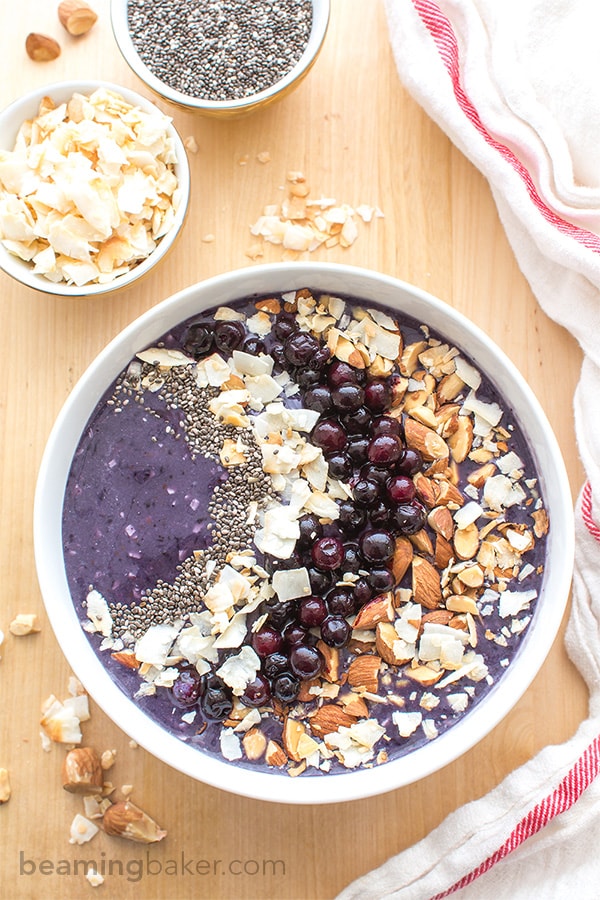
(220, 49)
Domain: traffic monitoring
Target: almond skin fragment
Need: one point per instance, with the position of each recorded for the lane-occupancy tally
(426, 583)
(364, 672)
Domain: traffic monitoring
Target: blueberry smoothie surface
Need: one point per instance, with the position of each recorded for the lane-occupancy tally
(303, 533)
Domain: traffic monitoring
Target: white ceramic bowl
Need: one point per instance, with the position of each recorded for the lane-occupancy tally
(12, 117)
(222, 108)
(353, 282)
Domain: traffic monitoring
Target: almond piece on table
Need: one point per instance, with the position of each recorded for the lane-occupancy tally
(41, 47)
(82, 771)
(24, 623)
(426, 585)
(124, 819)
(4, 786)
(76, 16)
(364, 672)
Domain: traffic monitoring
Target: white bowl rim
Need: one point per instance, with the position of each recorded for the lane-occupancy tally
(118, 16)
(22, 271)
(308, 789)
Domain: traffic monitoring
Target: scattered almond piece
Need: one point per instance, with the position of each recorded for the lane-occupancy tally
(24, 623)
(76, 16)
(41, 47)
(4, 786)
(82, 771)
(107, 760)
(124, 819)
(190, 144)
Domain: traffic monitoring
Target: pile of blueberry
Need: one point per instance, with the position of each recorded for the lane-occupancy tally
(364, 447)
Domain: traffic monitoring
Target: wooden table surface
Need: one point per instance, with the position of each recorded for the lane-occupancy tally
(358, 137)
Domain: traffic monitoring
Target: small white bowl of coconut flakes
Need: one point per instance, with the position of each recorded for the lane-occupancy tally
(94, 188)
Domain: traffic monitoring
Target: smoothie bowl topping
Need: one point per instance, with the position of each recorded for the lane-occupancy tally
(303, 533)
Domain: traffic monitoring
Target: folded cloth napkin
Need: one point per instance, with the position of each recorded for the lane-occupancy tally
(515, 84)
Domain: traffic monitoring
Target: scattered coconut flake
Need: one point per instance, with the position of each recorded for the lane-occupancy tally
(94, 877)
(82, 830)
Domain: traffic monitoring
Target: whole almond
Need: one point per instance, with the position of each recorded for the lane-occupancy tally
(76, 16)
(41, 47)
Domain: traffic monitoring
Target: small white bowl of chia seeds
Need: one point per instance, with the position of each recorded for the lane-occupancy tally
(110, 198)
(224, 58)
(286, 655)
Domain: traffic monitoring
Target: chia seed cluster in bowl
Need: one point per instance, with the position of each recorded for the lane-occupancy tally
(304, 533)
(222, 49)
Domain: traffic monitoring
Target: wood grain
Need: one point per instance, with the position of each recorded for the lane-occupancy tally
(358, 136)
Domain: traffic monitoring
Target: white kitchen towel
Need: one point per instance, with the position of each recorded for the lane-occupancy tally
(515, 84)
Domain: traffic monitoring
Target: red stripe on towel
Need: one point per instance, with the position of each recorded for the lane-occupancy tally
(579, 777)
(586, 511)
(446, 43)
